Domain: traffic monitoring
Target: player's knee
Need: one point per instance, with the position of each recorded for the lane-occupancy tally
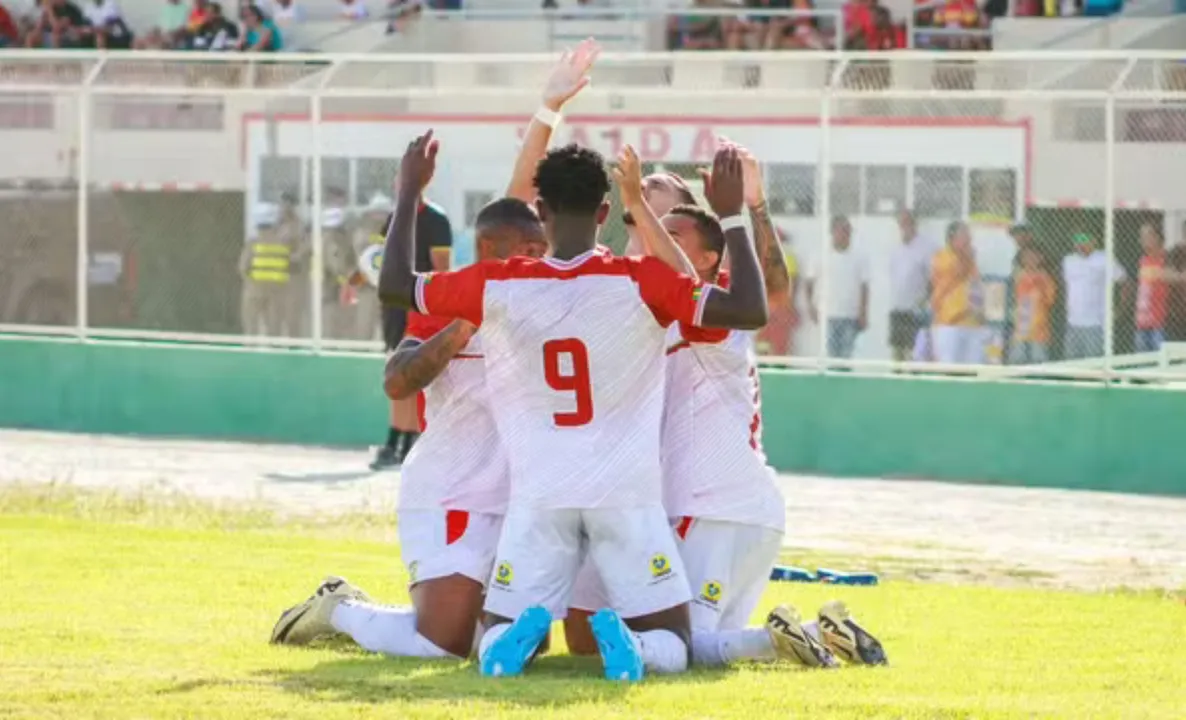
(578, 635)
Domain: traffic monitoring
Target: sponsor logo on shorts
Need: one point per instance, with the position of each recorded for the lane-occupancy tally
(412, 568)
(660, 566)
(504, 574)
(711, 592)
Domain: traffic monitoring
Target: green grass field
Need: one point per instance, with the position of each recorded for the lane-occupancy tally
(161, 607)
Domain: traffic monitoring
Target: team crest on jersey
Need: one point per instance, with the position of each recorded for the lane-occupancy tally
(660, 566)
(504, 574)
(711, 592)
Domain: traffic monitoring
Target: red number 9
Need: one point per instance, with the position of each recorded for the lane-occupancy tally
(578, 383)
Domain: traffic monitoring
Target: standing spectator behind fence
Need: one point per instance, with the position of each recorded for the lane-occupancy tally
(910, 277)
(58, 26)
(957, 300)
(1176, 312)
(848, 291)
(1085, 274)
(1034, 294)
(1155, 278)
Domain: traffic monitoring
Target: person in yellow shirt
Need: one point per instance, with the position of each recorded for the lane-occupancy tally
(957, 300)
(1033, 295)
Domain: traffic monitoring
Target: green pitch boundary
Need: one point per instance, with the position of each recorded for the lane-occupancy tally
(1085, 436)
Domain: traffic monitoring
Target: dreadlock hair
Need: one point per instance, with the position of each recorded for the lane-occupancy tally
(709, 227)
(571, 180)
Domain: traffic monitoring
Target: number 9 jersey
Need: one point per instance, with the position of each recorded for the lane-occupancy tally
(575, 367)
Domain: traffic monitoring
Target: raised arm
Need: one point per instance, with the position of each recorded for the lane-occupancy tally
(397, 276)
(654, 237)
(415, 364)
(743, 306)
(569, 76)
(771, 258)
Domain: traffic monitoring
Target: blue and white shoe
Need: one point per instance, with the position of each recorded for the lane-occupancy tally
(508, 655)
(620, 653)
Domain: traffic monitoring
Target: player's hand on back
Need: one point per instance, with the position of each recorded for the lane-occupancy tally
(724, 187)
(418, 164)
(570, 74)
(755, 192)
(628, 175)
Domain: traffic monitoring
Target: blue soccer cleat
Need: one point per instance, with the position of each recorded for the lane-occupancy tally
(510, 653)
(620, 653)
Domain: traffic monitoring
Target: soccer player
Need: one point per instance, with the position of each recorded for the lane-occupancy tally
(454, 483)
(574, 353)
(728, 512)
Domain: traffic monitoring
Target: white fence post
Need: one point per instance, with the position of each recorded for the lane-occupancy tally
(318, 264)
(1109, 232)
(82, 267)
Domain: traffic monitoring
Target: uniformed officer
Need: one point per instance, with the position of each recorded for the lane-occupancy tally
(265, 266)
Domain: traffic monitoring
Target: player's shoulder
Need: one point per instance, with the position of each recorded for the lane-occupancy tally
(422, 327)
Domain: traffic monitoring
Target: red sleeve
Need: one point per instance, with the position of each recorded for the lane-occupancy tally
(671, 296)
(422, 327)
(455, 294)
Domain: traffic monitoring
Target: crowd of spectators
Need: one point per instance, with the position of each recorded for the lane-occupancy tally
(784, 25)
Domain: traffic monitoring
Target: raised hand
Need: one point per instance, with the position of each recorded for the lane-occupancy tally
(570, 75)
(628, 174)
(724, 187)
(751, 170)
(418, 164)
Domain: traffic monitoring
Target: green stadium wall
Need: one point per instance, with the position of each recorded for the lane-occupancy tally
(1086, 436)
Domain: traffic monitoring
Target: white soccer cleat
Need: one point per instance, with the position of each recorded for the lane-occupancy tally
(309, 621)
(846, 638)
(792, 642)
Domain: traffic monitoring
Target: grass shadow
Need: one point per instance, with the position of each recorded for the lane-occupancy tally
(551, 681)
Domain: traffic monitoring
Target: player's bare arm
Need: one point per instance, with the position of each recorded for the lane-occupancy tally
(415, 364)
(770, 255)
(397, 277)
(743, 306)
(655, 239)
(569, 76)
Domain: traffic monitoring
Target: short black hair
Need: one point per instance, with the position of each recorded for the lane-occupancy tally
(709, 226)
(572, 180)
(506, 211)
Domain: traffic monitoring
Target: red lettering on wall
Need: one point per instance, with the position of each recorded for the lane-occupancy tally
(653, 143)
(704, 146)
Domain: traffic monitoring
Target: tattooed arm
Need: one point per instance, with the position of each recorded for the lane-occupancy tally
(415, 364)
(770, 254)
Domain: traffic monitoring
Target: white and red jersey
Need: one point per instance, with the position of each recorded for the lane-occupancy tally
(713, 463)
(459, 462)
(575, 366)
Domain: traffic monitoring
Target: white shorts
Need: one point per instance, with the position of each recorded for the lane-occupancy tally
(728, 566)
(439, 543)
(540, 552)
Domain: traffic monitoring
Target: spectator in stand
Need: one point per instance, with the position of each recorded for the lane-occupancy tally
(885, 35)
(105, 28)
(960, 15)
(858, 23)
(848, 291)
(1176, 302)
(910, 277)
(957, 300)
(287, 12)
(58, 26)
(259, 34)
(174, 15)
(763, 32)
(804, 32)
(353, 10)
(218, 33)
(1034, 294)
(10, 35)
(694, 32)
(401, 13)
(1153, 284)
(1084, 272)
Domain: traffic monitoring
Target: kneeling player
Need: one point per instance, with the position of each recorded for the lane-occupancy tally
(729, 514)
(454, 483)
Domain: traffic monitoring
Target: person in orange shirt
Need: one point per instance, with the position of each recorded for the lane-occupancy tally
(1154, 278)
(957, 300)
(1033, 295)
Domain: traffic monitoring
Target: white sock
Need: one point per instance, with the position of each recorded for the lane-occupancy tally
(812, 629)
(488, 637)
(387, 630)
(662, 651)
(723, 647)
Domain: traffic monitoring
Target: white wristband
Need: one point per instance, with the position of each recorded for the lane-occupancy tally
(732, 223)
(545, 116)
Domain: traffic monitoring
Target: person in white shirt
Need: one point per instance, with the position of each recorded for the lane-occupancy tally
(105, 26)
(353, 10)
(1085, 275)
(910, 279)
(287, 11)
(847, 303)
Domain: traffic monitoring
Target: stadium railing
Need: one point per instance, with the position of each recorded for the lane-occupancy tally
(132, 183)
